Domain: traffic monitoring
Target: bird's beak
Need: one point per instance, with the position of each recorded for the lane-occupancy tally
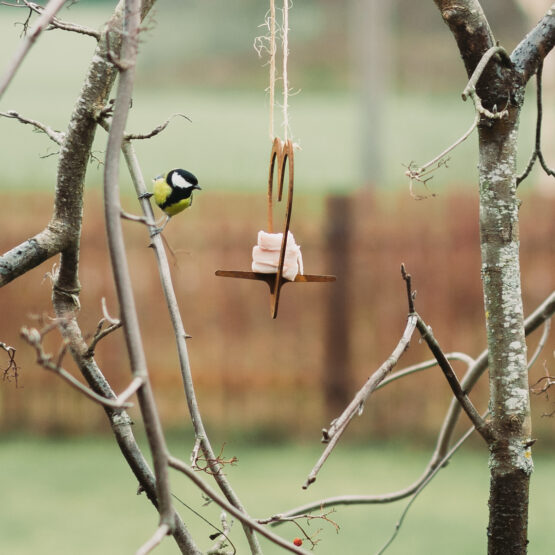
(197, 187)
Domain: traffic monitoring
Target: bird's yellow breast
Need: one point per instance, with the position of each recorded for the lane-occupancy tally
(161, 191)
(174, 209)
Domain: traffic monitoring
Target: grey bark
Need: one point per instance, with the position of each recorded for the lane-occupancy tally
(502, 85)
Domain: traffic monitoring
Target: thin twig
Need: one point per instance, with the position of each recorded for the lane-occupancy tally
(279, 519)
(113, 321)
(50, 10)
(240, 515)
(331, 436)
(222, 537)
(537, 154)
(155, 131)
(481, 426)
(100, 333)
(162, 531)
(477, 73)
(134, 218)
(444, 364)
(541, 344)
(11, 370)
(34, 338)
(56, 23)
(56, 136)
(420, 174)
(463, 357)
(424, 483)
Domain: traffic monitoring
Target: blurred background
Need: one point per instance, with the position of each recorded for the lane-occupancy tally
(374, 86)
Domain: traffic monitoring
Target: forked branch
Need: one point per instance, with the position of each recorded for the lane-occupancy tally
(447, 369)
(54, 364)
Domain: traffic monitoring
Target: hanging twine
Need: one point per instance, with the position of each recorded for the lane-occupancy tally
(284, 70)
(272, 65)
(269, 44)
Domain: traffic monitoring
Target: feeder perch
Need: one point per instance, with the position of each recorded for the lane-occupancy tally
(282, 153)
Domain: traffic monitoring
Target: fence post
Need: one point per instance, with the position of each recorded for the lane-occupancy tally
(337, 365)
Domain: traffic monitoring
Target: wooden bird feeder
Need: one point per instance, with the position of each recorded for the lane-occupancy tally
(283, 153)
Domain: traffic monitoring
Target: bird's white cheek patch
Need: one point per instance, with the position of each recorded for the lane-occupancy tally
(179, 181)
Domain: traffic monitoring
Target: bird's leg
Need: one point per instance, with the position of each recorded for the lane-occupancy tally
(158, 230)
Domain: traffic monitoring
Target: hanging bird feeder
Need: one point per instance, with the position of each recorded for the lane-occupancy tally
(274, 275)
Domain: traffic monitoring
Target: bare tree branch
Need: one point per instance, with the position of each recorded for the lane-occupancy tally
(421, 487)
(157, 130)
(423, 173)
(469, 26)
(537, 154)
(50, 10)
(542, 313)
(469, 361)
(120, 267)
(535, 46)
(56, 23)
(32, 252)
(100, 333)
(119, 420)
(10, 372)
(541, 344)
(34, 338)
(433, 345)
(332, 435)
(180, 336)
(162, 531)
(240, 515)
(56, 136)
(458, 392)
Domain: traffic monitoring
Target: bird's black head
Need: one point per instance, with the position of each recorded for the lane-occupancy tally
(182, 179)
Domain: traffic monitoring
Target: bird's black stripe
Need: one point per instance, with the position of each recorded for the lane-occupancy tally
(177, 194)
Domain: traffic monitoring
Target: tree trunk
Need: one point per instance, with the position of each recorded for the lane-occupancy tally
(510, 455)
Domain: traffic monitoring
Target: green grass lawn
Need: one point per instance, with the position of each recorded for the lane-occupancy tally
(77, 496)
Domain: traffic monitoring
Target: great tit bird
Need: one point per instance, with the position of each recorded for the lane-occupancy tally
(173, 193)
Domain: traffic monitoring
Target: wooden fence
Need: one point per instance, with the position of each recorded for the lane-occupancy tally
(289, 376)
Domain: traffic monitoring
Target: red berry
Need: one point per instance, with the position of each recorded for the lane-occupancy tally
(298, 542)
